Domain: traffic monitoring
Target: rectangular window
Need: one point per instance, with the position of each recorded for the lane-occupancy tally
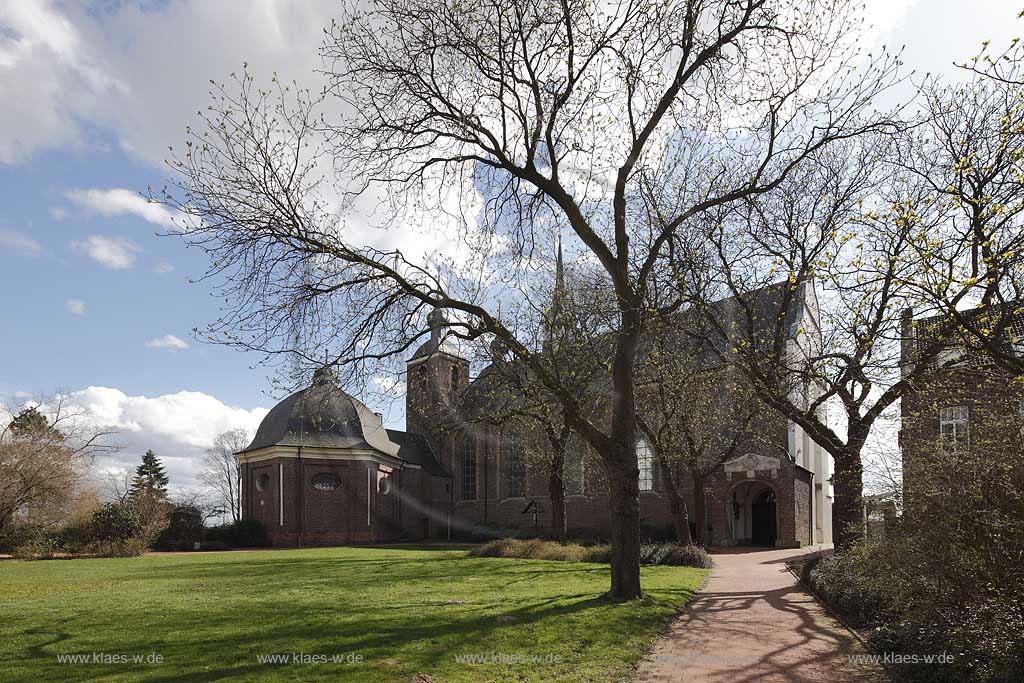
(645, 460)
(954, 426)
(512, 467)
(572, 470)
(467, 467)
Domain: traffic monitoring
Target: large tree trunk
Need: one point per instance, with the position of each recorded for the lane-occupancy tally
(700, 510)
(624, 496)
(556, 490)
(848, 506)
(623, 472)
(676, 503)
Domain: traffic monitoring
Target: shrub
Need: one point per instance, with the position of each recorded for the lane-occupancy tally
(76, 535)
(22, 535)
(536, 549)
(214, 545)
(123, 547)
(245, 533)
(675, 554)
(116, 522)
(184, 528)
(41, 548)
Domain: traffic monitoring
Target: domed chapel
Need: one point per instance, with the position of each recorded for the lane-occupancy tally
(323, 470)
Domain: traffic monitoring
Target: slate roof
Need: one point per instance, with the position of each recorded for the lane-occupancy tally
(322, 416)
(415, 449)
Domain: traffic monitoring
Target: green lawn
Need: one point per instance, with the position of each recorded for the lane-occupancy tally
(408, 613)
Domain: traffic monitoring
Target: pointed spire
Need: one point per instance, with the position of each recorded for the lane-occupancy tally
(559, 267)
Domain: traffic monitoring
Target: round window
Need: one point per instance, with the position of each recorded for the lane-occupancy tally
(262, 482)
(384, 487)
(326, 481)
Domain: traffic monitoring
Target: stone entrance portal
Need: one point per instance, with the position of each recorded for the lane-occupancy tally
(763, 520)
(753, 518)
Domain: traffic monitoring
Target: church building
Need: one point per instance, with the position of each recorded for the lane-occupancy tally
(323, 470)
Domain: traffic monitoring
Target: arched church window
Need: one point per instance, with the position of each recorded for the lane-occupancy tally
(326, 481)
(645, 461)
(262, 482)
(513, 470)
(467, 467)
(572, 470)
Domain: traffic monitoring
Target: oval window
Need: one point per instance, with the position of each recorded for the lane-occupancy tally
(326, 481)
(384, 487)
(262, 482)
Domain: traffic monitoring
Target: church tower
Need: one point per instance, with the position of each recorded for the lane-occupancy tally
(436, 375)
(556, 324)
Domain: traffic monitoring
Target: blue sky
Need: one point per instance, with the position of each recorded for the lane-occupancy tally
(93, 93)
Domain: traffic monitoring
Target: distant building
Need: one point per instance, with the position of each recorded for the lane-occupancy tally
(323, 470)
(967, 413)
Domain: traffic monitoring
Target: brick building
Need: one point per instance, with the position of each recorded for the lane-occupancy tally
(965, 416)
(322, 469)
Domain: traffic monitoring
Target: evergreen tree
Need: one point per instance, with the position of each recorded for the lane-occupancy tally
(32, 423)
(149, 477)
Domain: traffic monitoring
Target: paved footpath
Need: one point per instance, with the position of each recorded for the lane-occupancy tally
(752, 622)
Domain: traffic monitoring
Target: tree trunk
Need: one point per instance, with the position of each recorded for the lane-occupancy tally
(700, 511)
(848, 506)
(620, 454)
(624, 497)
(676, 503)
(556, 490)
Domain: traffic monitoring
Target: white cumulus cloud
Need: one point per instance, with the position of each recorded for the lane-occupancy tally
(119, 201)
(111, 252)
(179, 427)
(163, 268)
(19, 242)
(169, 342)
(75, 306)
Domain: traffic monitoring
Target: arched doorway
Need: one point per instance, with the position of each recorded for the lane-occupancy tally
(762, 517)
(752, 514)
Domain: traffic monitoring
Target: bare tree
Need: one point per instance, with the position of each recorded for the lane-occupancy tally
(959, 179)
(500, 122)
(223, 474)
(45, 451)
(820, 277)
(697, 413)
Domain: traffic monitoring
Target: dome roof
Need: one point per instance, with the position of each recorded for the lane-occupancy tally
(323, 416)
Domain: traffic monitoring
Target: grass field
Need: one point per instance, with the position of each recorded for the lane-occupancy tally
(408, 614)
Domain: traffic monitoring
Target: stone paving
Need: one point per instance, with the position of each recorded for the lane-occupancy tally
(751, 621)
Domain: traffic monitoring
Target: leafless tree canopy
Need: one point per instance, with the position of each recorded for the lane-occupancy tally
(500, 123)
(41, 465)
(222, 473)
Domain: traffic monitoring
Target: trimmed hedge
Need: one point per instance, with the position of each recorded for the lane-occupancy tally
(674, 554)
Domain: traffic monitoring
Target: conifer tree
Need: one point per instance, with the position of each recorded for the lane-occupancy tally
(150, 477)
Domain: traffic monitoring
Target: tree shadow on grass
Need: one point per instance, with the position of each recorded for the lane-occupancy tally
(268, 605)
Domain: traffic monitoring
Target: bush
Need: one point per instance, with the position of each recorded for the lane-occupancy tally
(22, 535)
(214, 545)
(116, 522)
(674, 554)
(184, 528)
(124, 547)
(537, 549)
(76, 535)
(42, 548)
(245, 533)
(912, 598)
